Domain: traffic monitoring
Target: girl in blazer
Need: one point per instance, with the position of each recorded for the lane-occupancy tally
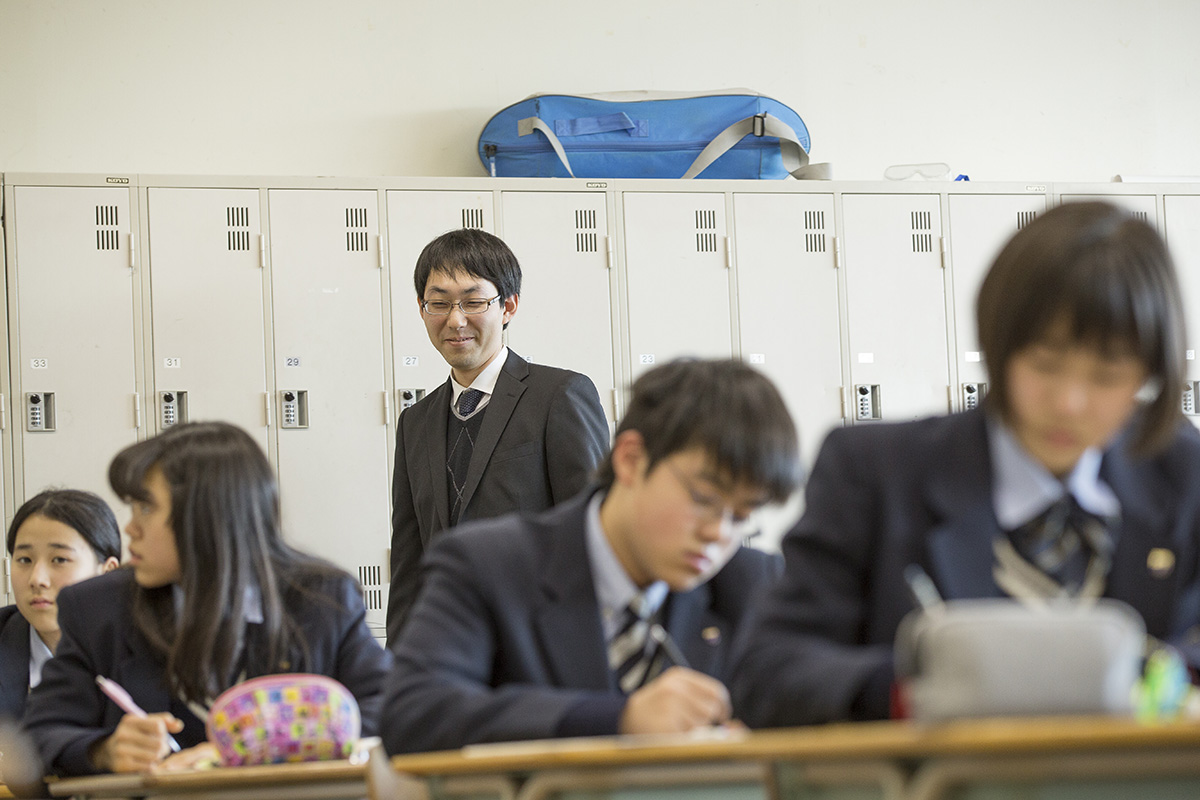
(57, 538)
(1078, 477)
(212, 595)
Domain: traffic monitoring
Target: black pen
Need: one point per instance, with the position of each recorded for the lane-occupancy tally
(660, 635)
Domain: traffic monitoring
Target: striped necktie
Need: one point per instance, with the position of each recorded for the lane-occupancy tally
(632, 654)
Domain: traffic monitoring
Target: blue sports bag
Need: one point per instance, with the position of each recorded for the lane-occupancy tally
(733, 133)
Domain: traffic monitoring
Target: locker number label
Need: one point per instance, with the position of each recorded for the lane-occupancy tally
(39, 363)
(758, 358)
(292, 361)
(1190, 355)
(646, 358)
(172, 363)
(866, 358)
(412, 361)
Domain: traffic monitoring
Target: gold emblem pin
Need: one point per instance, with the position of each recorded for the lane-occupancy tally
(711, 634)
(1160, 562)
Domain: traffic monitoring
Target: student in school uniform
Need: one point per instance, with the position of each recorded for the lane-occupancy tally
(501, 434)
(613, 612)
(57, 537)
(212, 595)
(1078, 477)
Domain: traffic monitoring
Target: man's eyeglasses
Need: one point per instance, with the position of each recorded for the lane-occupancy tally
(470, 306)
(711, 508)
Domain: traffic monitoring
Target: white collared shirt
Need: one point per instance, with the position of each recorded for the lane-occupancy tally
(39, 654)
(484, 382)
(1022, 488)
(614, 589)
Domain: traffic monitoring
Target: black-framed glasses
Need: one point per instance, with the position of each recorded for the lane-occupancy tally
(711, 508)
(471, 306)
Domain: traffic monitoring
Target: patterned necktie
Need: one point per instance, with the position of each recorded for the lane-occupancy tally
(1064, 551)
(631, 651)
(468, 401)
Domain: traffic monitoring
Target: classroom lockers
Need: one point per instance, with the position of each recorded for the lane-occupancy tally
(979, 225)
(896, 306)
(331, 411)
(74, 346)
(415, 218)
(208, 343)
(1181, 216)
(677, 277)
(788, 303)
(565, 317)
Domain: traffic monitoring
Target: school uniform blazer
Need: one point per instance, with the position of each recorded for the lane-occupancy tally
(882, 497)
(506, 641)
(14, 662)
(67, 712)
(543, 433)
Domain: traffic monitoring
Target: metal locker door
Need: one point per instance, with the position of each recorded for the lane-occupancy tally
(565, 315)
(677, 277)
(787, 288)
(1144, 206)
(326, 285)
(896, 306)
(415, 218)
(209, 354)
(76, 400)
(1182, 225)
(979, 227)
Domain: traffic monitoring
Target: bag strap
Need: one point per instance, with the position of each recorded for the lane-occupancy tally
(795, 157)
(530, 124)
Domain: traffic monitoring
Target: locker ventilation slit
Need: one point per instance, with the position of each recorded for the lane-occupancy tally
(472, 217)
(922, 239)
(356, 240)
(371, 578)
(108, 235)
(706, 221)
(1142, 215)
(1024, 218)
(585, 231)
(237, 220)
(814, 225)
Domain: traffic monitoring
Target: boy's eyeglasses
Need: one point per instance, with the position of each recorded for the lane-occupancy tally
(470, 307)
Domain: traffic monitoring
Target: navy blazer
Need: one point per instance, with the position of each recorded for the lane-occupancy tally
(506, 640)
(881, 497)
(543, 433)
(14, 662)
(67, 713)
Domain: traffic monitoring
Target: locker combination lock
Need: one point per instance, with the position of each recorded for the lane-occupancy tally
(293, 408)
(1189, 397)
(972, 393)
(39, 411)
(172, 408)
(866, 401)
(409, 397)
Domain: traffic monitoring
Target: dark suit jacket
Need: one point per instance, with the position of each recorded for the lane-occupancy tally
(543, 433)
(506, 640)
(882, 497)
(14, 662)
(67, 712)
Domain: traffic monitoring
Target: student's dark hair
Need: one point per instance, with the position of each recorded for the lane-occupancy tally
(225, 516)
(1109, 277)
(475, 252)
(85, 513)
(724, 407)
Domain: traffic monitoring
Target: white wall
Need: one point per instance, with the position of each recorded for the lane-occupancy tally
(1067, 90)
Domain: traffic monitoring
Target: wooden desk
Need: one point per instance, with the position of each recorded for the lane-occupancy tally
(1060, 757)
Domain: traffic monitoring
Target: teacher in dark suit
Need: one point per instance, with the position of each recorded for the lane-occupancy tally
(615, 611)
(501, 434)
(1078, 478)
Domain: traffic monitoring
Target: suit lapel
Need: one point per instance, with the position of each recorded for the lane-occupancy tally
(510, 386)
(958, 498)
(1145, 526)
(568, 624)
(14, 661)
(688, 614)
(435, 451)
